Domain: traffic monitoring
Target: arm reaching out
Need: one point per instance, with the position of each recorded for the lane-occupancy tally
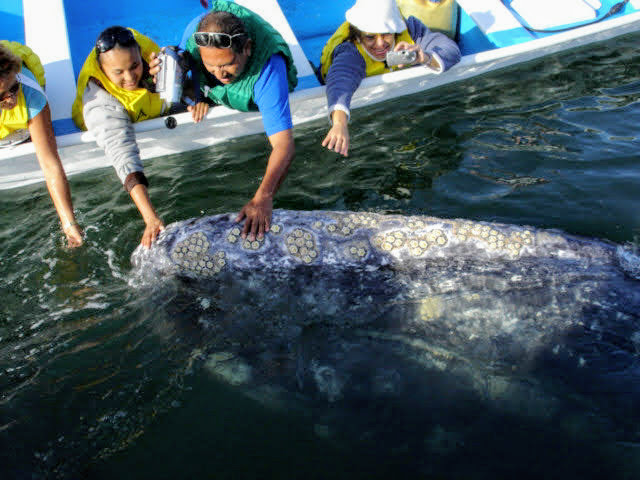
(257, 212)
(44, 142)
(154, 225)
(338, 137)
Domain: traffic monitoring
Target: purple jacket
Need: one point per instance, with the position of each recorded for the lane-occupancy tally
(348, 68)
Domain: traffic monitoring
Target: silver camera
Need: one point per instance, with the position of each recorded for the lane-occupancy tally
(170, 77)
(401, 57)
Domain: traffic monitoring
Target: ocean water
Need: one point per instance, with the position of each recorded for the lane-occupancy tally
(103, 378)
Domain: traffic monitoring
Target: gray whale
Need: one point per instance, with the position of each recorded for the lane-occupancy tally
(205, 247)
(350, 314)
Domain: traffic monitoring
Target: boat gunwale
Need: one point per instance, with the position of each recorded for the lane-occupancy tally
(372, 90)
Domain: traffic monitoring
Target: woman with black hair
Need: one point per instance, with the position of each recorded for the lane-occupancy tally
(24, 113)
(115, 90)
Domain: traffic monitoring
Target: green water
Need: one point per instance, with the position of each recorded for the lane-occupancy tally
(97, 380)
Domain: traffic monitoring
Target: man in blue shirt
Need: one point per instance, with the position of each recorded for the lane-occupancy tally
(240, 61)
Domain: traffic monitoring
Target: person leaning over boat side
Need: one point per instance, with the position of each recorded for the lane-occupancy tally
(358, 49)
(115, 90)
(242, 62)
(24, 109)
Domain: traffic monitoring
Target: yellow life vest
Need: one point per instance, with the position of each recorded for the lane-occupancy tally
(29, 59)
(439, 16)
(141, 104)
(373, 67)
(18, 117)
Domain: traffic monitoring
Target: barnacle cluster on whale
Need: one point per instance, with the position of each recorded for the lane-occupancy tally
(207, 246)
(193, 254)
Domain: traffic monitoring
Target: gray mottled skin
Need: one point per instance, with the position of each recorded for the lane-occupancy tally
(207, 246)
(384, 324)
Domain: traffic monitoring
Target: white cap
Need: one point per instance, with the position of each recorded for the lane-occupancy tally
(376, 16)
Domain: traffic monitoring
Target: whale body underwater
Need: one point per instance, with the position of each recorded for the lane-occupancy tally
(349, 311)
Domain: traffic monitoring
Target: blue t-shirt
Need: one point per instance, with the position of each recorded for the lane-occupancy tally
(271, 95)
(34, 98)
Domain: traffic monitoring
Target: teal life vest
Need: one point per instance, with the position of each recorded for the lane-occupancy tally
(266, 41)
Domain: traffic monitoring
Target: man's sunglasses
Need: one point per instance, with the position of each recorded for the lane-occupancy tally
(216, 40)
(11, 92)
(108, 39)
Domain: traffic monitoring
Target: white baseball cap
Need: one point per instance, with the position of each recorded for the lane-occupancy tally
(376, 16)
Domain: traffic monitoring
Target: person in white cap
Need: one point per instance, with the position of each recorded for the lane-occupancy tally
(358, 49)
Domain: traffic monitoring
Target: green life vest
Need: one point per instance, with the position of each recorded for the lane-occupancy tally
(266, 42)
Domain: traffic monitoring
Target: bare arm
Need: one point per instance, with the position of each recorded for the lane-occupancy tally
(258, 210)
(109, 122)
(154, 225)
(344, 77)
(338, 137)
(44, 142)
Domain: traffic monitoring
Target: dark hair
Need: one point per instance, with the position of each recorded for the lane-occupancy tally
(9, 63)
(114, 37)
(225, 22)
(354, 33)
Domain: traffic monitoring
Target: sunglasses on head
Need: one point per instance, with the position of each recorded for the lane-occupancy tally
(217, 40)
(11, 92)
(109, 38)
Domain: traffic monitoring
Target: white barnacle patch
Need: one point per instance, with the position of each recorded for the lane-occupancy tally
(416, 242)
(192, 254)
(190, 248)
(253, 244)
(301, 245)
(416, 224)
(346, 225)
(212, 265)
(232, 236)
(493, 239)
(357, 251)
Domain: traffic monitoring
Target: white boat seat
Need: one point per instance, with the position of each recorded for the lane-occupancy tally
(547, 14)
(496, 21)
(272, 13)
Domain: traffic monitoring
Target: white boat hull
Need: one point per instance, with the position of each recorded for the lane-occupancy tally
(80, 153)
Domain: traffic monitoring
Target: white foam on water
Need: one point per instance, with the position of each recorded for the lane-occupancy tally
(629, 260)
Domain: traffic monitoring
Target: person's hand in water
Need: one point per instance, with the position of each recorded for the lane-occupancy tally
(153, 228)
(74, 236)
